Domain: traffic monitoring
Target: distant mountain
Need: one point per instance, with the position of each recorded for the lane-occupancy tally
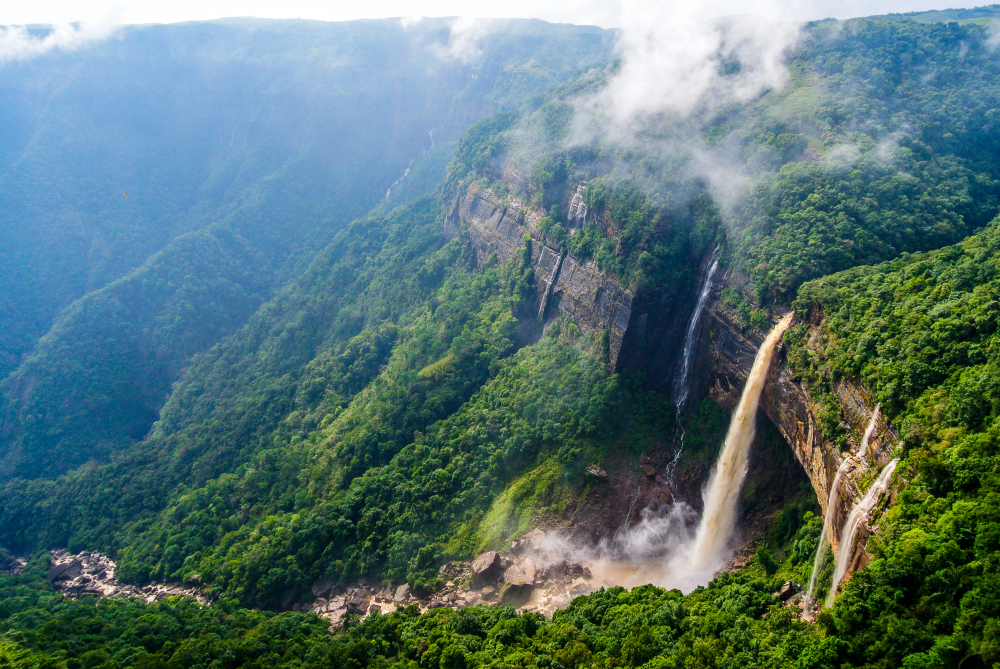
(159, 185)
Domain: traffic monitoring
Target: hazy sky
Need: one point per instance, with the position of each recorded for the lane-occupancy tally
(607, 13)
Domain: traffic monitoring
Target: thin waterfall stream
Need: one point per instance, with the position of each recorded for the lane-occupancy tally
(849, 531)
(819, 563)
(719, 517)
(682, 387)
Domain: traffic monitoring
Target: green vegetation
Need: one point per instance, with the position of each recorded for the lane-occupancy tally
(195, 410)
(883, 142)
(921, 333)
(920, 174)
(366, 415)
(733, 622)
(242, 153)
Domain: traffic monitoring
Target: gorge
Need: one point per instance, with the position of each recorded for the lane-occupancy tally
(688, 383)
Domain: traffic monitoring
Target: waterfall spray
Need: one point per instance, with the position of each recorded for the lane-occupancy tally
(722, 493)
(681, 386)
(819, 563)
(847, 534)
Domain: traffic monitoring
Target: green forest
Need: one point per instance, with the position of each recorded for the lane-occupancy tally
(271, 372)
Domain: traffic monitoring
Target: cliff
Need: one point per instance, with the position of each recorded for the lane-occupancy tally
(725, 357)
(591, 298)
(643, 330)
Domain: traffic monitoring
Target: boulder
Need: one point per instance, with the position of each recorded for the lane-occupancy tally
(488, 593)
(561, 568)
(66, 571)
(486, 569)
(520, 573)
(597, 473)
(336, 618)
(530, 541)
(12, 565)
(788, 590)
(515, 595)
(402, 593)
(322, 588)
(518, 582)
(357, 601)
(648, 469)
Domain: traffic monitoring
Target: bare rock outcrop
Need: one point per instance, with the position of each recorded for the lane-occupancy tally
(13, 565)
(597, 473)
(528, 576)
(518, 582)
(402, 594)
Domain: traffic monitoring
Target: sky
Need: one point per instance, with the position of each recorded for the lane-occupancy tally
(605, 13)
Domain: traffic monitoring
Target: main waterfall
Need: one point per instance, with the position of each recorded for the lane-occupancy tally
(718, 519)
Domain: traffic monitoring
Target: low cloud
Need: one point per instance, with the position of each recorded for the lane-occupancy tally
(842, 156)
(465, 38)
(993, 38)
(673, 61)
(676, 68)
(16, 43)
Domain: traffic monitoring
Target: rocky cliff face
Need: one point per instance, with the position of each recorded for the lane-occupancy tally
(592, 299)
(725, 356)
(645, 331)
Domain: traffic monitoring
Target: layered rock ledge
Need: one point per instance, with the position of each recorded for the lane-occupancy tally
(500, 227)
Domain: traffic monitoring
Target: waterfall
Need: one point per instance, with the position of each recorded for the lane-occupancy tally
(849, 531)
(831, 505)
(681, 387)
(722, 493)
(869, 431)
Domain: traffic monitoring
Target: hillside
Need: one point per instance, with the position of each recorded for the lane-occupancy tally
(165, 183)
(300, 397)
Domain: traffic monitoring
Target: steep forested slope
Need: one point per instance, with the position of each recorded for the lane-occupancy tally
(921, 332)
(289, 424)
(368, 419)
(172, 176)
(883, 140)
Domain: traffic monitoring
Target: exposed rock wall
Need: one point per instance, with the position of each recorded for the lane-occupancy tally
(725, 357)
(592, 299)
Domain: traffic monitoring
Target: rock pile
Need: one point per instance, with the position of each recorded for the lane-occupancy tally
(13, 565)
(659, 475)
(91, 573)
(527, 577)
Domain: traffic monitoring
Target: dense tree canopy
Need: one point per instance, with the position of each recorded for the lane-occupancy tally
(391, 407)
